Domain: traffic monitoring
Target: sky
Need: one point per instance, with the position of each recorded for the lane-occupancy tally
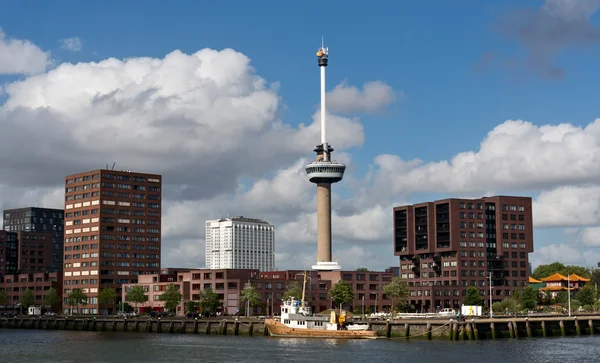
(426, 100)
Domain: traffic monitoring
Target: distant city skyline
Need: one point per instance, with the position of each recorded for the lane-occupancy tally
(429, 100)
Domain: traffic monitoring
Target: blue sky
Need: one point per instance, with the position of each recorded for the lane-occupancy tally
(430, 50)
(455, 70)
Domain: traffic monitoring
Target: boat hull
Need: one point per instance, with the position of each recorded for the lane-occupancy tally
(277, 329)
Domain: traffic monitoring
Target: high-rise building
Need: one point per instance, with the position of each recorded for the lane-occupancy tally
(448, 245)
(33, 219)
(9, 253)
(240, 243)
(112, 232)
(25, 252)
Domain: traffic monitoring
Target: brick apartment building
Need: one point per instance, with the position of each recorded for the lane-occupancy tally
(34, 219)
(25, 262)
(38, 282)
(229, 283)
(447, 245)
(25, 252)
(112, 231)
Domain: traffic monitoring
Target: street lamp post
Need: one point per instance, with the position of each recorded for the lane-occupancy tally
(363, 307)
(490, 283)
(569, 292)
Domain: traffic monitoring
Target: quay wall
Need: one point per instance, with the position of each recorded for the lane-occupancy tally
(451, 329)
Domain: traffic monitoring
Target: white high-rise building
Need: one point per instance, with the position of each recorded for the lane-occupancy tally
(240, 243)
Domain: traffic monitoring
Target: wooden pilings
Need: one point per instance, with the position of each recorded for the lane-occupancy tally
(472, 329)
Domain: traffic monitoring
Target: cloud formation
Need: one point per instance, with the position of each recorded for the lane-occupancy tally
(18, 56)
(347, 99)
(555, 27)
(216, 131)
(73, 44)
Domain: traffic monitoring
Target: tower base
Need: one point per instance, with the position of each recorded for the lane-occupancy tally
(326, 266)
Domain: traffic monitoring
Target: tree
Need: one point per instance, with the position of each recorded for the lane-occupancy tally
(191, 306)
(362, 269)
(473, 296)
(3, 297)
(172, 297)
(136, 295)
(209, 300)
(562, 297)
(397, 291)
(529, 298)
(293, 290)
(556, 267)
(250, 295)
(341, 293)
(27, 299)
(587, 295)
(107, 296)
(51, 299)
(76, 299)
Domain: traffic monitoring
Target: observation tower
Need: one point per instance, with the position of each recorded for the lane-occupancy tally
(324, 172)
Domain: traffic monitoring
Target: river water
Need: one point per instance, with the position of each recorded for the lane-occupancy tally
(68, 346)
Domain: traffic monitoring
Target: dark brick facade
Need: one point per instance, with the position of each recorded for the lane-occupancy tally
(448, 245)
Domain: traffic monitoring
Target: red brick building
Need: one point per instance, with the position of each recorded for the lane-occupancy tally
(448, 245)
(39, 283)
(112, 231)
(229, 283)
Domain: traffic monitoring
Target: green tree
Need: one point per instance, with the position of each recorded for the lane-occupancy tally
(172, 297)
(107, 296)
(473, 296)
(529, 298)
(362, 269)
(3, 297)
(562, 297)
(76, 299)
(137, 296)
(209, 300)
(27, 299)
(51, 299)
(293, 290)
(250, 295)
(550, 269)
(192, 306)
(397, 291)
(586, 295)
(341, 293)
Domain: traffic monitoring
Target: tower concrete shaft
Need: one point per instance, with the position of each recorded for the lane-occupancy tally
(324, 222)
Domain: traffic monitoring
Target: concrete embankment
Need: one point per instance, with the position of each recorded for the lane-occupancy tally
(471, 329)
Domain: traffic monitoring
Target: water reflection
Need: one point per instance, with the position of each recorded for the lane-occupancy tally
(68, 346)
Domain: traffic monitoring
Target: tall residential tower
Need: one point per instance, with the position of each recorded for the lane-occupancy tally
(38, 220)
(112, 232)
(240, 243)
(324, 172)
(449, 245)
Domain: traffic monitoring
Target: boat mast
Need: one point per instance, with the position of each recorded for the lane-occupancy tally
(303, 290)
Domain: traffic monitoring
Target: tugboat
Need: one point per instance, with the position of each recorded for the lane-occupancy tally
(298, 321)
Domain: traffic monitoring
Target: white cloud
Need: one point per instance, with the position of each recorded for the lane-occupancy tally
(19, 56)
(515, 155)
(73, 44)
(566, 254)
(568, 206)
(349, 99)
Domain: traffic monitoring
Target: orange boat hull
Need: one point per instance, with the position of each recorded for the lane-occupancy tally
(277, 329)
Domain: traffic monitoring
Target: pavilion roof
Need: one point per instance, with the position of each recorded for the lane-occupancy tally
(573, 277)
(555, 277)
(534, 281)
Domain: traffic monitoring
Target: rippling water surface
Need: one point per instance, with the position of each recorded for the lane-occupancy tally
(67, 346)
